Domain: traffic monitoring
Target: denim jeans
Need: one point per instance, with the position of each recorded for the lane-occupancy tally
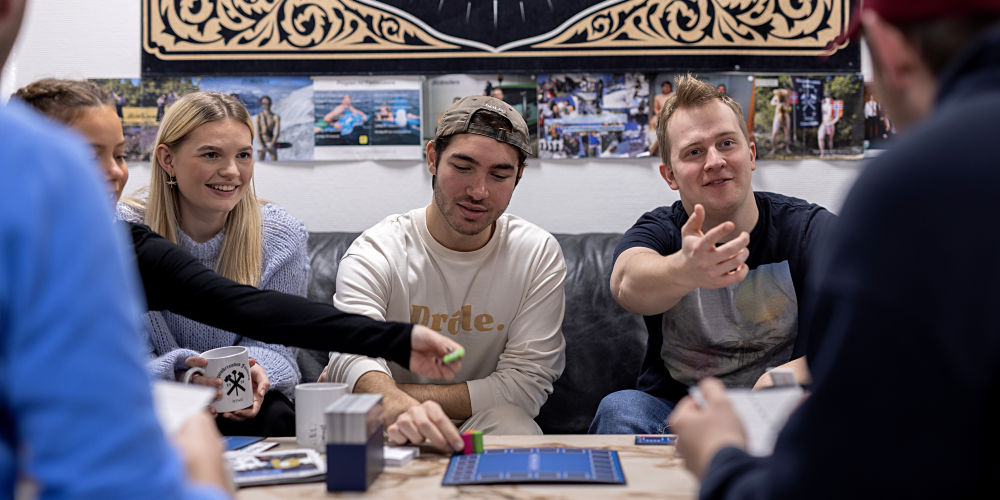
(631, 412)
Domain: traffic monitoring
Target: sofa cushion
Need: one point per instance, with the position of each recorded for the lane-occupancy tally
(604, 343)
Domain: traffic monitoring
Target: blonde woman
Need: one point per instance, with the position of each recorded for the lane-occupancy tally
(201, 197)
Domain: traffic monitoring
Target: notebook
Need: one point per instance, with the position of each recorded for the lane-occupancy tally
(763, 414)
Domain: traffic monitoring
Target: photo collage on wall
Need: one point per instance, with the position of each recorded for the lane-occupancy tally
(661, 86)
(593, 115)
(798, 116)
(358, 118)
(569, 115)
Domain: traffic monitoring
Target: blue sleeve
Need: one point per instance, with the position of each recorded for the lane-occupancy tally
(167, 357)
(78, 400)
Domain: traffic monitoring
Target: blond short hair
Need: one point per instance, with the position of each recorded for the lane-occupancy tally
(691, 92)
(241, 257)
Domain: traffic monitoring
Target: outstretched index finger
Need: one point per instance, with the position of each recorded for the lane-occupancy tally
(717, 233)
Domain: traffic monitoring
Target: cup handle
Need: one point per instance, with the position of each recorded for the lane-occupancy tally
(197, 370)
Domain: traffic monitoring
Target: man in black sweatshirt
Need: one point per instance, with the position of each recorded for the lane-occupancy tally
(903, 331)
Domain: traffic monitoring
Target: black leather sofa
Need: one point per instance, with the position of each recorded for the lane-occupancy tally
(604, 343)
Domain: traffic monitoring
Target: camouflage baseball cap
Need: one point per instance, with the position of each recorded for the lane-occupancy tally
(455, 120)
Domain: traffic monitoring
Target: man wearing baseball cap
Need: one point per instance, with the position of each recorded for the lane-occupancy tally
(905, 339)
(463, 267)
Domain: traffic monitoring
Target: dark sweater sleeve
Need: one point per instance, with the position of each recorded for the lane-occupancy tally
(175, 281)
(732, 474)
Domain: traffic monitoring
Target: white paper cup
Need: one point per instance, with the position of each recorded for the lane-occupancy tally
(310, 401)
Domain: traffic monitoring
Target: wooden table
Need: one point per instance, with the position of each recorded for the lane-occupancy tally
(650, 472)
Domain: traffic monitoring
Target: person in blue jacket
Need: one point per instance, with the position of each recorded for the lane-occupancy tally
(76, 409)
(904, 339)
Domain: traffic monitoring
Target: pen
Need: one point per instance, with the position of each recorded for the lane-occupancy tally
(697, 397)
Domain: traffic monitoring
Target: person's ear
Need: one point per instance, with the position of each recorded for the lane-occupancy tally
(897, 61)
(753, 156)
(431, 158)
(165, 159)
(668, 175)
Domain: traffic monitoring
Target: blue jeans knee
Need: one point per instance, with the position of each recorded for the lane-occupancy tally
(631, 412)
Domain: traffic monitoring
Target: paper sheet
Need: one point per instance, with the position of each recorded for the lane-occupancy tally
(175, 403)
(763, 414)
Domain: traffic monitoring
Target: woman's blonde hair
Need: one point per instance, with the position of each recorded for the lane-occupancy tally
(240, 258)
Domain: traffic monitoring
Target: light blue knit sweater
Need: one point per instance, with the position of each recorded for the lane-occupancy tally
(174, 338)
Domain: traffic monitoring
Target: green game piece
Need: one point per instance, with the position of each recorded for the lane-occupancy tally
(454, 355)
(477, 441)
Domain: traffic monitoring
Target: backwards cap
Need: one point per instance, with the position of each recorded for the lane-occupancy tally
(458, 117)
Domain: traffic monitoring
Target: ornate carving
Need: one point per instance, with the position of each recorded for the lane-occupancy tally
(254, 28)
(719, 25)
(356, 29)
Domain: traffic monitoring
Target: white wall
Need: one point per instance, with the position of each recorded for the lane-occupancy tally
(100, 39)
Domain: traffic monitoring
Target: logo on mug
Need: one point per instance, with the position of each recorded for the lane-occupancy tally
(234, 381)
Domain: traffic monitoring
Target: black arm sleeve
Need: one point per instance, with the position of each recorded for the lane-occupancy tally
(175, 281)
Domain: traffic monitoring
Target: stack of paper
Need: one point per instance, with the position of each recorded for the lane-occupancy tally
(398, 456)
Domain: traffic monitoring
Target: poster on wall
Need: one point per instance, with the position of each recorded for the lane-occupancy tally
(465, 36)
(281, 109)
(803, 116)
(517, 90)
(738, 87)
(878, 127)
(141, 103)
(593, 115)
(367, 118)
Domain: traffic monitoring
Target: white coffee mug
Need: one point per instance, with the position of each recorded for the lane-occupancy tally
(232, 365)
(310, 401)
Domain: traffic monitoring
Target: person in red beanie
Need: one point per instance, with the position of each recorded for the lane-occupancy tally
(904, 338)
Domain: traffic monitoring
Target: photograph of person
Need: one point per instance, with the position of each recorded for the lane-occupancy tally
(280, 108)
(808, 116)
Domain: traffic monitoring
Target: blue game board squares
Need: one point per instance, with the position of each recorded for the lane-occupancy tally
(527, 465)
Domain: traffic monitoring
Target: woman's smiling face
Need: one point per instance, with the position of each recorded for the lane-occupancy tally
(213, 166)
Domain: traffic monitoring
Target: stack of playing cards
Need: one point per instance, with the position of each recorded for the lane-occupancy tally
(352, 418)
(354, 442)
